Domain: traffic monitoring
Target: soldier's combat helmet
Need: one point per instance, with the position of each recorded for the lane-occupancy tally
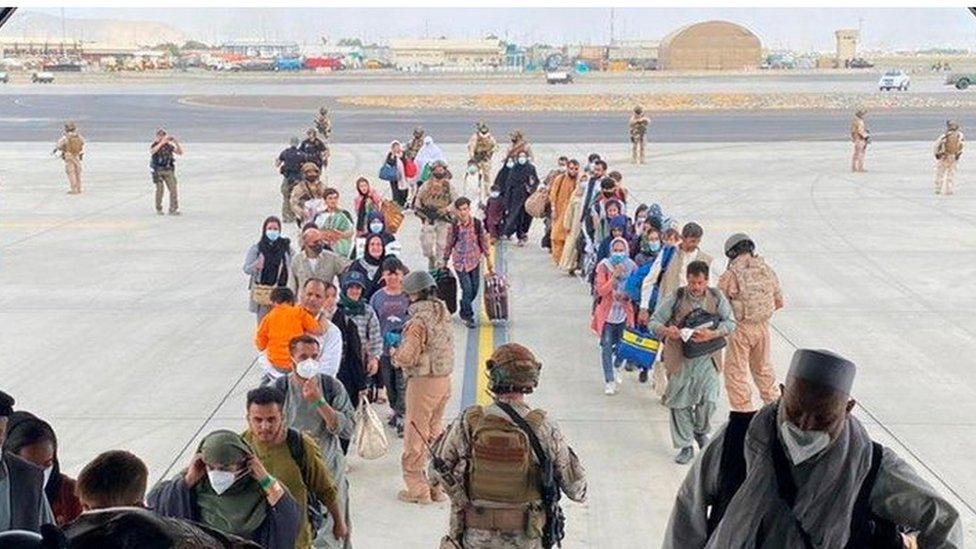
(737, 244)
(638, 110)
(481, 126)
(513, 368)
(418, 132)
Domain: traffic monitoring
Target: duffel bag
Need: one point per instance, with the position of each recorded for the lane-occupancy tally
(537, 202)
(638, 347)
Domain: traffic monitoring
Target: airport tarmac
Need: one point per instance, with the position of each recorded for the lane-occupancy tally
(128, 330)
(134, 118)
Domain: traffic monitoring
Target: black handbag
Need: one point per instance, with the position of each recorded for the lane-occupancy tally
(700, 318)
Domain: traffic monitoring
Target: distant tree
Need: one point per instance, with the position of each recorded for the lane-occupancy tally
(170, 47)
(194, 45)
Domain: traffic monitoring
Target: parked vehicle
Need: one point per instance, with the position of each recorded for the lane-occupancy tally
(559, 77)
(288, 64)
(42, 77)
(324, 63)
(961, 80)
(859, 63)
(4, 78)
(894, 80)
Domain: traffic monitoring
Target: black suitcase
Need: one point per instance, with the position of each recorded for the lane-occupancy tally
(447, 288)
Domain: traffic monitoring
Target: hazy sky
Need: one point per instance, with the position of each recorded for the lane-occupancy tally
(797, 28)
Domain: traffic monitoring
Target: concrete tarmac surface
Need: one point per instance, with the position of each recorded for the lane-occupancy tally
(134, 118)
(129, 330)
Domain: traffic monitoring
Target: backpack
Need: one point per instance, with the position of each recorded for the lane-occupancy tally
(953, 143)
(297, 450)
(479, 232)
(74, 145)
(502, 467)
(757, 286)
(868, 531)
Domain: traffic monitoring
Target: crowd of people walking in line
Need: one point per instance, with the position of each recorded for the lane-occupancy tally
(343, 325)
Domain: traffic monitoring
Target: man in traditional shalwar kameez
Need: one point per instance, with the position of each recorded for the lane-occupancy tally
(846, 491)
(693, 384)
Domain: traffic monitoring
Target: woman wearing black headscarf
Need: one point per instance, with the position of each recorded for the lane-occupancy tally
(267, 262)
(33, 439)
(374, 252)
(521, 182)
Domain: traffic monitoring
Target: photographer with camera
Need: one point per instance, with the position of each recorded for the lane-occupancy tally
(163, 165)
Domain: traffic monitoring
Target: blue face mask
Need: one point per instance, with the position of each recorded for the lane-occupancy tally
(654, 246)
(272, 234)
(616, 258)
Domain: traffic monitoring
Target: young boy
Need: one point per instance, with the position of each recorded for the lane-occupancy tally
(284, 322)
(390, 303)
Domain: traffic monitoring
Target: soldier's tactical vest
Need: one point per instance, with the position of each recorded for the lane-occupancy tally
(482, 148)
(74, 145)
(437, 358)
(856, 130)
(953, 143)
(503, 468)
(756, 299)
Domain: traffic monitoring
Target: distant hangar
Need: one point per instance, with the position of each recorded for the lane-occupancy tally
(712, 45)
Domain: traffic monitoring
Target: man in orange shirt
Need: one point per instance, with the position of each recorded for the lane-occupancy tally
(284, 322)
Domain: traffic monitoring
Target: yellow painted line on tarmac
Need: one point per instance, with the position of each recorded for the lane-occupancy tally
(486, 346)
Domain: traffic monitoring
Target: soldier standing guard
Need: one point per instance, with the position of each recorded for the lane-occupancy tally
(505, 464)
(948, 149)
(71, 146)
(481, 147)
(860, 137)
(324, 126)
(638, 130)
(415, 143)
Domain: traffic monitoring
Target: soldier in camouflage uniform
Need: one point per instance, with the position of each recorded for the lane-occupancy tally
(323, 123)
(71, 147)
(638, 129)
(415, 144)
(481, 147)
(489, 469)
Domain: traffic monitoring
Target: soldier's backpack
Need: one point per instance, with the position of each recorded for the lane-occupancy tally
(953, 143)
(74, 145)
(756, 300)
(502, 468)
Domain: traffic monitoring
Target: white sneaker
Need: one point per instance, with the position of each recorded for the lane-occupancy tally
(616, 375)
(610, 389)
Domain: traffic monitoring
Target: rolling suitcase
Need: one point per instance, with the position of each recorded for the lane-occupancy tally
(447, 288)
(496, 297)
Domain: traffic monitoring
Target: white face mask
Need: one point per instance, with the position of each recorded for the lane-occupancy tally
(221, 481)
(307, 369)
(802, 445)
(47, 474)
(375, 227)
